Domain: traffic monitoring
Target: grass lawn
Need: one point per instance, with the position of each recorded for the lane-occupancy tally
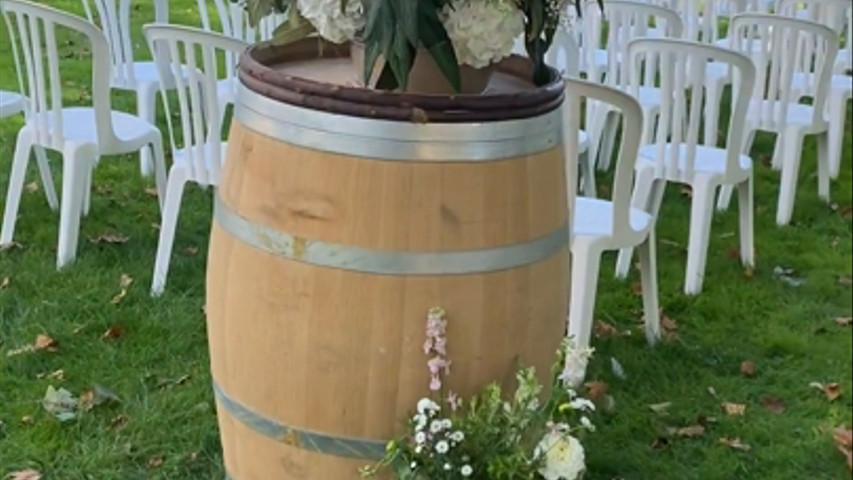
(165, 425)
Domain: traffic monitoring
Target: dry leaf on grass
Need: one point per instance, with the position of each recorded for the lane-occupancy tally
(124, 282)
(155, 462)
(661, 408)
(44, 342)
(32, 187)
(602, 329)
(748, 368)
(595, 391)
(110, 238)
(4, 284)
(27, 420)
(774, 404)
(844, 442)
(692, 431)
(54, 375)
(637, 288)
(28, 474)
(118, 421)
(845, 281)
(735, 444)
(831, 390)
(97, 395)
(734, 409)
(115, 331)
(669, 327)
(190, 251)
(843, 321)
(151, 192)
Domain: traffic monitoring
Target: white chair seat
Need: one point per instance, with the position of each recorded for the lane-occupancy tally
(838, 85)
(594, 217)
(78, 125)
(10, 103)
(708, 159)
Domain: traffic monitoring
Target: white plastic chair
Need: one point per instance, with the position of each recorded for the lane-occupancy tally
(234, 23)
(199, 155)
(676, 154)
(790, 48)
(600, 225)
(624, 20)
(128, 74)
(81, 134)
(10, 103)
(836, 15)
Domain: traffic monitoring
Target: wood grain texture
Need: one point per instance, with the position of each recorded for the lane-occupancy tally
(340, 352)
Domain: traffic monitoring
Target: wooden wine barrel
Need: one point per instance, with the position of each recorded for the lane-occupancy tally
(339, 222)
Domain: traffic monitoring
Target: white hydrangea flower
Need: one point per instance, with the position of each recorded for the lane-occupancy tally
(331, 21)
(482, 31)
(563, 454)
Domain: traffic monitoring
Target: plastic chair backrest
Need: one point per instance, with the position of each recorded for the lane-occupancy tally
(37, 65)
(632, 127)
(832, 13)
(114, 19)
(200, 54)
(682, 82)
(625, 21)
(787, 46)
(234, 21)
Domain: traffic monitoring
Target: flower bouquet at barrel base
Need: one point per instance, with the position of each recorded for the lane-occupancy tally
(490, 436)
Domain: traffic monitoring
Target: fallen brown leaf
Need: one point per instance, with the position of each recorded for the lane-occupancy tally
(118, 421)
(669, 327)
(44, 342)
(735, 444)
(843, 321)
(4, 284)
(845, 281)
(11, 245)
(692, 431)
(844, 442)
(28, 474)
(831, 390)
(596, 391)
(191, 251)
(27, 420)
(155, 462)
(748, 368)
(602, 329)
(151, 192)
(115, 331)
(32, 187)
(54, 375)
(125, 281)
(110, 238)
(661, 408)
(97, 395)
(774, 404)
(637, 288)
(734, 409)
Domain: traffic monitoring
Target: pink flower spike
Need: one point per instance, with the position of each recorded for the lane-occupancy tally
(427, 346)
(435, 383)
(454, 401)
(441, 345)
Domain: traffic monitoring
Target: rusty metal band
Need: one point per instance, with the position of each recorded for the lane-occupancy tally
(387, 262)
(319, 442)
(396, 140)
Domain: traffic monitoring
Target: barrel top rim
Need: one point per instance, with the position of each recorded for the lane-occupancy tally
(256, 72)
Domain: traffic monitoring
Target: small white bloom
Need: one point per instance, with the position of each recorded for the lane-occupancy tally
(413, 465)
(574, 369)
(563, 454)
(448, 467)
(331, 21)
(420, 438)
(436, 426)
(446, 424)
(582, 404)
(587, 424)
(419, 449)
(466, 470)
(442, 447)
(426, 406)
(457, 436)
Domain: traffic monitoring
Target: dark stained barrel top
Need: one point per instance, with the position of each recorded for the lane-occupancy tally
(319, 75)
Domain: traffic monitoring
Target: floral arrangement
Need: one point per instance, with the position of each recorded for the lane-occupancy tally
(489, 437)
(476, 33)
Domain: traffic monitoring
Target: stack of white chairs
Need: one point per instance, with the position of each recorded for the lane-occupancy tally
(198, 151)
(81, 134)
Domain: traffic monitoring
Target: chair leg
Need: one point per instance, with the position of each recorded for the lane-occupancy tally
(146, 109)
(87, 189)
(46, 178)
(649, 277)
(701, 213)
(639, 199)
(586, 262)
(20, 160)
(159, 169)
(824, 162)
(837, 110)
(725, 195)
(747, 223)
(793, 140)
(171, 208)
(75, 166)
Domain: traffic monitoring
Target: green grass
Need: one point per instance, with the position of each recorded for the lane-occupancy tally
(788, 332)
